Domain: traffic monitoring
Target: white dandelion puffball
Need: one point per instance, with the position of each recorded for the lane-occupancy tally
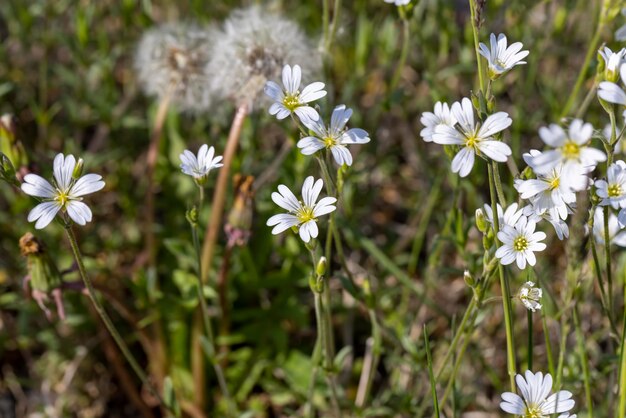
(65, 194)
(252, 47)
(171, 60)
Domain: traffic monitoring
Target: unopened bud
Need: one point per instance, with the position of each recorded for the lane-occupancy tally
(469, 279)
(7, 170)
(192, 216)
(78, 169)
(322, 264)
(481, 221)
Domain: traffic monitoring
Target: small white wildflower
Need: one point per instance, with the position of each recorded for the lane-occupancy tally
(612, 62)
(572, 149)
(334, 137)
(302, 214)
(530, 296)
(613, 189)
(65, 194)
(611, 92)
(441, 116)
(472, 137)
(502, 58)
(617, 236)
(535, 402)
(290, 99)
(519, 243)
(508, 217)
(556, 216)
(199, 167)
(171, 60)
(547, 191)
(252, 47)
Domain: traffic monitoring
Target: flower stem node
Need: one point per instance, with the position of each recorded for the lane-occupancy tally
(192, 216)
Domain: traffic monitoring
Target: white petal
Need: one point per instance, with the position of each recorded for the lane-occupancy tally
(463, 162)
(37, 186)
(44, 213)
(88, 183)
(79, 212)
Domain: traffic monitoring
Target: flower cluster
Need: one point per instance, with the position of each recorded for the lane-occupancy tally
(334, 138)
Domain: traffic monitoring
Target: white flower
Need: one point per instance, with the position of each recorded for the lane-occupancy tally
(508, 217)
(519, 243)
(199, 167)
(611, 92)
(441, 116)
(556, 216)
(473, 138)
(616, 235)
(612, 62)
(500, 57)
(290, 99)
(547, 191)
(530, 296)
(535, 402)
(398, 2)
(302, 214)
(64, 194)
(613, 189)
(334, 137)
(571, 149)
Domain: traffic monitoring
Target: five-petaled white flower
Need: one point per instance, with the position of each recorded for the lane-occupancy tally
(519, 243)
(290, 99)
(64, 194)
(441, 116)
(472, 137)
(334, 137)
(571, 149)
(530, 296)
(535, 402)
(302, 214)
(613, 189)
(502, 58)
(549, 191)
(611, 92)
(199, 167)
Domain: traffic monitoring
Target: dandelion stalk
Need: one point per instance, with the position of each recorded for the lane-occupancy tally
(219, 195)
(504, 284)
(206, 320)
(105, 317)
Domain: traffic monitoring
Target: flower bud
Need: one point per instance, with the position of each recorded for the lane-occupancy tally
(469, 279)
(192, 216)
(322, 264)
(7, 171)
(481, 221)
(78, 169)
(530, 296)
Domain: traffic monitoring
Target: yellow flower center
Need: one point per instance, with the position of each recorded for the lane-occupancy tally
(520, 243)
(62, 198)
(471, 141)
(570, 150)
(532, 411)
(305, 214)
(615, 190)
(292, 101)
(329, 142)
(554, 183)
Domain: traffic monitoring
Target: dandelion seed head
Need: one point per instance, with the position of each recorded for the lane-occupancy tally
(252, 48)
(171, 60)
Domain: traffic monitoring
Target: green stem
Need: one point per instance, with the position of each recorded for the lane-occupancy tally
(607, 252)
(622, 370)
(455, 341)
(106, 319)
(529, 316)
(333, 25)
(406, 33)
(593, 46)
(472, 4)
(433, 383)
(546, 335)
(584, 360)
(504, 284)
(208, 328)
(316, 359)
(562, 344)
